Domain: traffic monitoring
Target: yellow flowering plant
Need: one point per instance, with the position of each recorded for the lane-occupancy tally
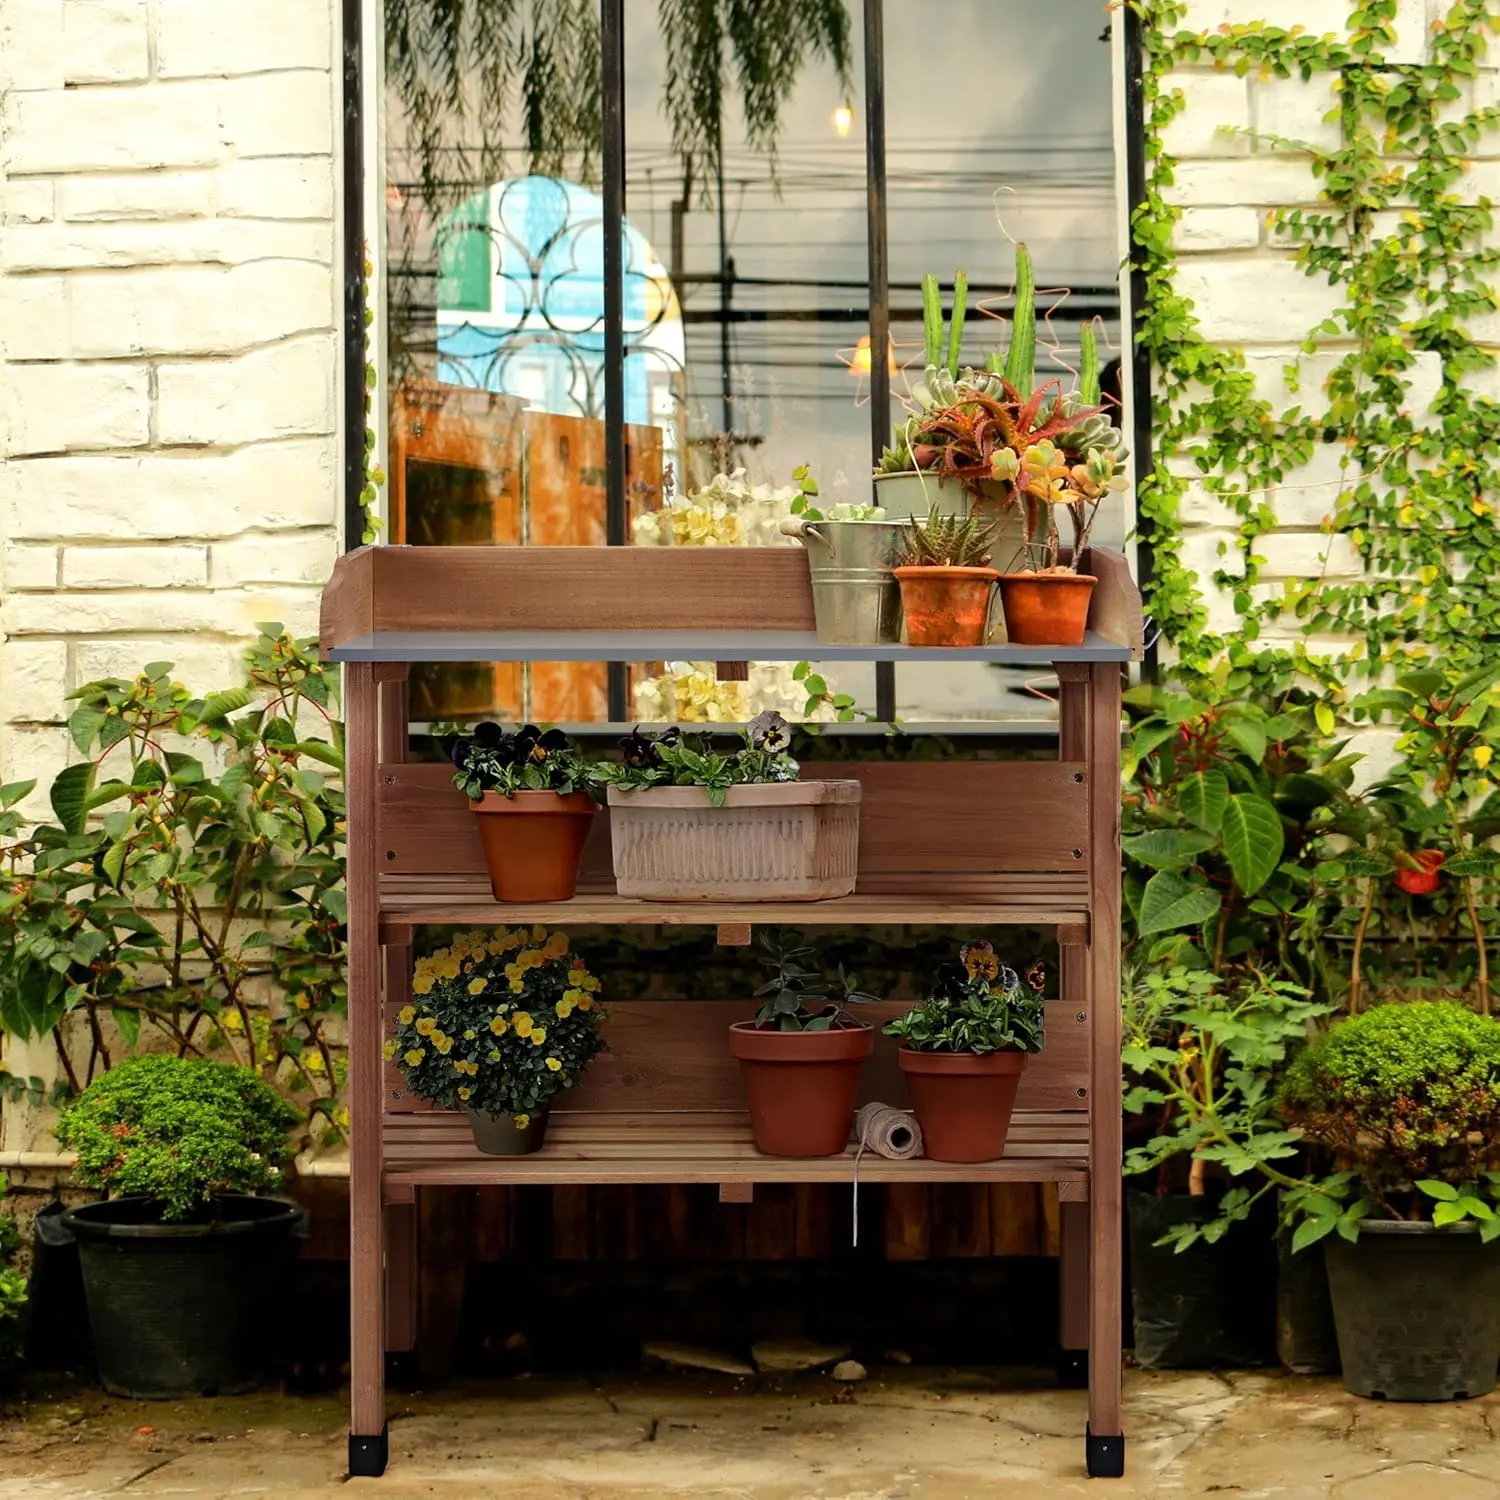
(500, 1021)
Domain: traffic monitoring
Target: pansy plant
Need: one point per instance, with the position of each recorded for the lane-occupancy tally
(675, 759)
(526, 760)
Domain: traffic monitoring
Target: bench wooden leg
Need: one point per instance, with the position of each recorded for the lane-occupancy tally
(1073, 1296)
(1105, 1447)
(368, 1445)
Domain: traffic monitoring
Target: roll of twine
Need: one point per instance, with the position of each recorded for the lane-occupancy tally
(887, 1131)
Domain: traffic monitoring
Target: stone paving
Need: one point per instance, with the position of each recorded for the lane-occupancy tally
(903, 1434)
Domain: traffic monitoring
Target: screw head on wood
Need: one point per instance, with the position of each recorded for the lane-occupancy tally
(1078, 854)
(1082, 1015)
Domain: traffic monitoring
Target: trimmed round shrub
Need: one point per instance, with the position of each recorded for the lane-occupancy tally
(1401, 1094)
(178, 1130)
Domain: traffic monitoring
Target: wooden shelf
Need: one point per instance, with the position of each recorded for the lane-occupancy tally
(437, 1149)
(1057, 901)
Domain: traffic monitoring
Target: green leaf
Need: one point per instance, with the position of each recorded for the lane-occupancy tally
(1444, 1192)
(218, 706)
(84, 724)
(1447, 1213)
(113, 863)
(1327, 720)
(1164, 848)
(1310, 1231)
(70, 793)
(1476, 1208)
(16, 791)
(1253, 840)
(129, 1023)
(1171, 900)
(1202, 797)
(1249, 736)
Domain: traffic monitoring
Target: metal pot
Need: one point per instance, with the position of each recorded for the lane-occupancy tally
(856, 600)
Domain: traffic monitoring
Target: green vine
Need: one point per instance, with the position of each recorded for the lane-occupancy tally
(1392, 229)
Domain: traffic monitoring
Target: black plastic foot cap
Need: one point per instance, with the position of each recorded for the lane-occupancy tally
(368, 1456)
(1073, 1369)
(1106, 1457)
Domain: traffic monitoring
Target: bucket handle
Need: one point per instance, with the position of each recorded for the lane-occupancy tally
(803, 530)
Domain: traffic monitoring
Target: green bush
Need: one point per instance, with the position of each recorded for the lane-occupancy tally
(12, 1292)
(977, 1005)
(1402, 1095)
(178, 1130)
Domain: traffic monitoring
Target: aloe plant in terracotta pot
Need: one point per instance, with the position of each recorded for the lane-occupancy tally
(946, 581)
(963, 1051)
(533, 796)
(801, 1055)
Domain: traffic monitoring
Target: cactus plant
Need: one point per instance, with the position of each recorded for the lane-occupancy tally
(943, 354)
(1088, 360)
(945, 541)
(1020, 363)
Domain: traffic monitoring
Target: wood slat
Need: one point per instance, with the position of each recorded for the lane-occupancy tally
(669, 1150)
(672, 1057)
(938, 817)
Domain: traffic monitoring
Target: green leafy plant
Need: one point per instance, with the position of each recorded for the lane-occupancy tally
(976, 1005)
(949, 541)
(500, 1022)
(845, 510)
(178, 1130)
(1403, 1102)
(12, 1292)
(197, 907)
(797, 998)
(675, 759)
(527, 760)
(1203, 1058)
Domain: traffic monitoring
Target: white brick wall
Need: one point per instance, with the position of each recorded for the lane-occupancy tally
(168, 325)
(1246, 291)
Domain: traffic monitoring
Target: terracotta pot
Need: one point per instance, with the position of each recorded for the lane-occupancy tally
(533, 843)
(499, 1135)
(1046, 609)
(946, 606)
(801, 1085)
(963, 1101)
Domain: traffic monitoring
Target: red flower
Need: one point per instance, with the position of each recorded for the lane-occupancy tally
(1420, 876)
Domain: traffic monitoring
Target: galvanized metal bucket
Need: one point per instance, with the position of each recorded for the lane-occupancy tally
(856, 599)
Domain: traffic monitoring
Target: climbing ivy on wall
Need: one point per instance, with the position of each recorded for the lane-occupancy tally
(1409, 244)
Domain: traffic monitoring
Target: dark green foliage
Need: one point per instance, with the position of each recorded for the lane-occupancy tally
(976, 1005)
(178, 1130)
(675, 759)
(950, 541)
(12, 1291)
(797, 998)
(527, 760)
(1401, 1094)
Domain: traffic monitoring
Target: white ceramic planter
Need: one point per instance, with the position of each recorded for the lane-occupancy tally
(782, 841)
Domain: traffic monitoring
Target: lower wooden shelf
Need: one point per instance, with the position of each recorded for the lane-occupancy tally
(432, 1149)
(1058, 901)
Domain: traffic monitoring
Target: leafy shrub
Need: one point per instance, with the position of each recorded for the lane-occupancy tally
(797, 998)
(12, 1291)
(203, 910)
(976, 1005)
(178, 1130)
(499, 1022)
(1401, 1095)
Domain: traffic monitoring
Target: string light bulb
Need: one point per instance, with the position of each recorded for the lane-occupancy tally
(843, 119)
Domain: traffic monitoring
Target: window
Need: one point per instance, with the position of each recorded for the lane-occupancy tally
(776, 194)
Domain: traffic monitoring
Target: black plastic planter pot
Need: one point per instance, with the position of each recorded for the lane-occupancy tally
(184, 1309)
(1210, 1307)
(1417, 1311)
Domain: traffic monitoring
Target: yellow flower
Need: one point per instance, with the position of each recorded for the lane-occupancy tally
(513, 971)
(341, 1116)
(389, 1050)
(493, 1054)
(522, 1121)
(313, 1062)
(444, 1044)
(554, 1064)
(539, 934)
(413, 1057)
(556, 945)
(539, 1036)
(422, 985)
(426, 1026)
(586, 1003)
(232, 1021)
(497, 1025)
(588, 982)
(470, 1034)
(464, 1092)
(302, 1003)
(407, 1015)
(476, 986)
(564, 1008)
(517, 986)
(522, 1022)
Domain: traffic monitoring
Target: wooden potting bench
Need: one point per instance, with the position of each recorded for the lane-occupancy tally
(972, 844)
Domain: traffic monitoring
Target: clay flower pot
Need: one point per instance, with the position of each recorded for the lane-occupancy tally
(1046, 609)
(963, 1101)
(946, 606)
(533, 842)
(801, 1085)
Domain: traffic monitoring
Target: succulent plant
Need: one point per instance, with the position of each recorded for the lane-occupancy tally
(945, 541)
